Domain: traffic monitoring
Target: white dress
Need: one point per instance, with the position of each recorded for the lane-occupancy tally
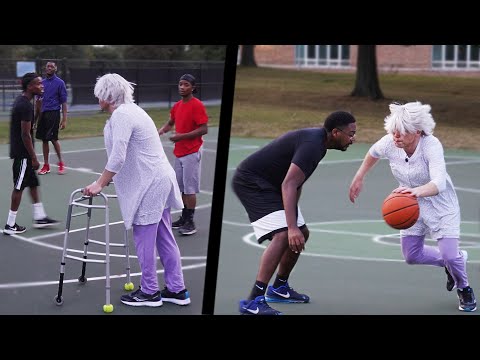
(439, 214)
(145, 182)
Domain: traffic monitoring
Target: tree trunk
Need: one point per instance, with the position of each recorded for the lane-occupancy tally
(248, 56)
(366, 83)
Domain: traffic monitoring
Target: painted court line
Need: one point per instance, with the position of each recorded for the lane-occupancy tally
(96, 278)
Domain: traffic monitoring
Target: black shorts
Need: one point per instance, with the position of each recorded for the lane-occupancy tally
(23, 174)
(264, 205)
(48, 125)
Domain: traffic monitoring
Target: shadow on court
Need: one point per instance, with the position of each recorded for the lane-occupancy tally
(30, 264)
(352, 263)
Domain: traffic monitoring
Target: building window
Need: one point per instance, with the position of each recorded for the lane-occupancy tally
(456, 57)
(324, 56)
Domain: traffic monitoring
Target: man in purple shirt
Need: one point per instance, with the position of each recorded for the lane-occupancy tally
(48, 115)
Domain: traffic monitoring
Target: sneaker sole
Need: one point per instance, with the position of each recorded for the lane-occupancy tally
(144, 303)
(287, 301)
(467, 310)
(188, 232)
(176, 227)
(177, 301)
(11, 232)
(41, 226)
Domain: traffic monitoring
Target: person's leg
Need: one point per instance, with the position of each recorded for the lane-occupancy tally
(178, 167)
(269, 261)
(288, 262)
(21, 169)
(46, 154)
(191, 181)
(415, 252)
(454, 260)
(169, 254)
(144, 237)
(281, 291)
(57, 147)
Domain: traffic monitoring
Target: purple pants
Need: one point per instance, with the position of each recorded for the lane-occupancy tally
(146, 238)
(445, 255)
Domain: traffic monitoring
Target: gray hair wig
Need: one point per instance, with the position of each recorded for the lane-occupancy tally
(409, 118)
(114, 89)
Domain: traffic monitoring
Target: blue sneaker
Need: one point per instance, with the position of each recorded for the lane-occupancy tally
(466, 299)
(180, 298)
(285, 294)
(257, 306)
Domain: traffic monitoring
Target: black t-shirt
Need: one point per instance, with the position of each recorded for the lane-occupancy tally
(22, 110)
(305, 148)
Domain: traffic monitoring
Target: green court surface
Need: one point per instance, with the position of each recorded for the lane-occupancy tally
(352, 263)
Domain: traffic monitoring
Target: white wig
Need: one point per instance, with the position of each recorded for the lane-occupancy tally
(114, 89)
(409, 118)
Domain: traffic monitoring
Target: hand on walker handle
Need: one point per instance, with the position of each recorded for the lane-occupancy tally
(92, 189)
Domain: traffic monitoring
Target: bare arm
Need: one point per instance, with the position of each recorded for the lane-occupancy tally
(357, 183)
(27, 141)
(167, 127)
(38, 111)
(202, 130)
(290, 195)
(63, 123)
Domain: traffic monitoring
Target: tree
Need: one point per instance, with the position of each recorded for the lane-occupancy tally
(57, 52)
(157, 52)
(366, 82)
(248, 56)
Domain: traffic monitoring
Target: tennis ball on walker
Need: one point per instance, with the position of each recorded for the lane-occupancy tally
(400, 211)
(108, 308)
(128, 286)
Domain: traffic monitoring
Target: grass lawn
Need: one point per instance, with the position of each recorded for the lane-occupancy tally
(79, 126)
(269, 102)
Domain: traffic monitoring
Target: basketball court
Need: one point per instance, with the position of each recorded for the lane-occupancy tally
(30, 264)
(352, 264)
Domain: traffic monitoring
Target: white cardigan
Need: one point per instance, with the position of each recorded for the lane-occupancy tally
(145, 182)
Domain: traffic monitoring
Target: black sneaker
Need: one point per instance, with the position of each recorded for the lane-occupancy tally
(45, 222)
(15, 229)
(450, 281)
(139, 298)
(466, 299)
(178, 223)
(180, 298)
(188, 228)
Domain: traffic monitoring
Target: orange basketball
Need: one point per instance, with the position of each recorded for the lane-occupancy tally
(400, 211)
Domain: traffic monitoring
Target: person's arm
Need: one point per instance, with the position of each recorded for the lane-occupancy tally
(27, 141)
(202, 130)
(357, 183)
(38, 111)
(63, 123)
(97, 186)
(437, 170)
(290, 195)
(167, 127)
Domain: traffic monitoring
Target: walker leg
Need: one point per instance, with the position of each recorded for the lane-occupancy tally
(82, 279)
(129, 284)
(58, 298)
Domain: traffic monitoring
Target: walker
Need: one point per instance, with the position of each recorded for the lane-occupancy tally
(81, 202)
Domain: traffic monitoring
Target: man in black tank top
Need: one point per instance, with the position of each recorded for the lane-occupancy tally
(269, 183)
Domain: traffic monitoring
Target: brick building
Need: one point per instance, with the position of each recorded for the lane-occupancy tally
(456, 59)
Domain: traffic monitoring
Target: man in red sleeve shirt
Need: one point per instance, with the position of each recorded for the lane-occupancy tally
(190, 119)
